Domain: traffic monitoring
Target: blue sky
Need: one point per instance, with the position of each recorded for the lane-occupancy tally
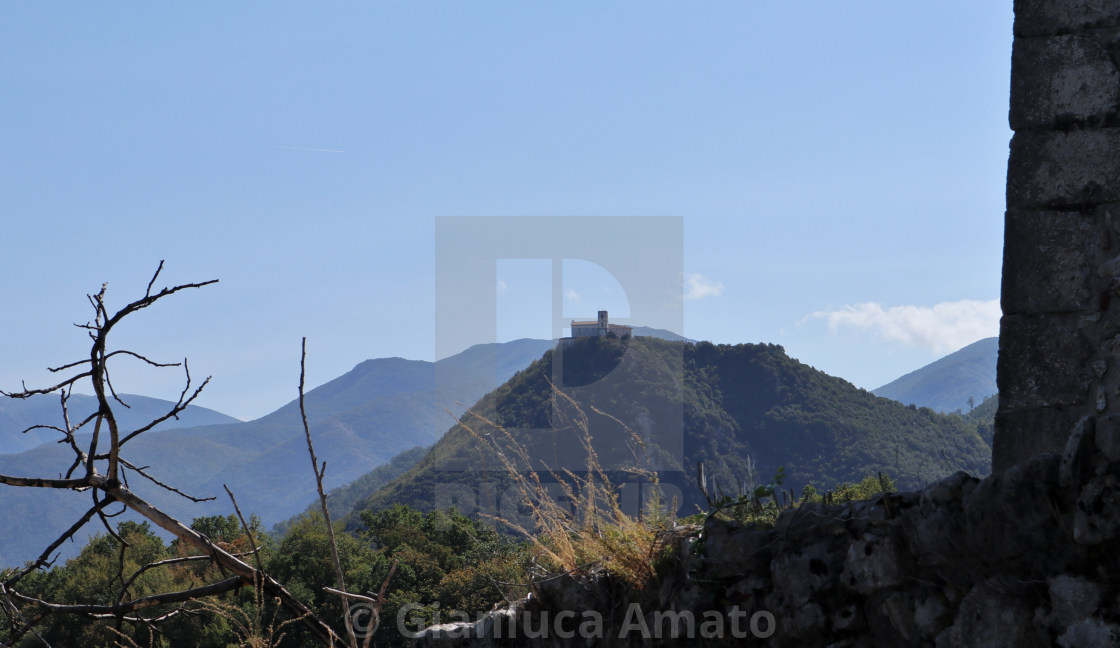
(839, 169)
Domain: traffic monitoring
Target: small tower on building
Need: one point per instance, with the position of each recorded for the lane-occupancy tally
(600, 327)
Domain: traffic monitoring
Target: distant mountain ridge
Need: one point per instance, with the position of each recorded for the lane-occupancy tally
(16, 415)
(946, 384)
(747, 411)
(661, 334)
(359, 421)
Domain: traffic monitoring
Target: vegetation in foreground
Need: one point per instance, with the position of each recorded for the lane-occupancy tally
(448, 566)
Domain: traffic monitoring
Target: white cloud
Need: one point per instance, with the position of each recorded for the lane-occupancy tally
(942, 328)
(502, 286)
(697, 286)
(571, 295)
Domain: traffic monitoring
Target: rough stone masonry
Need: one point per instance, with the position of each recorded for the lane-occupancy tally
(1060, 334)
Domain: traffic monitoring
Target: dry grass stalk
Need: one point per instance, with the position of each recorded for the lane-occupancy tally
(595, 530)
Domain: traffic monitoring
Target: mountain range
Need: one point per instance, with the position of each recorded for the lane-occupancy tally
(359, 420)
(747, 413)
(16, 416)
(378, 416)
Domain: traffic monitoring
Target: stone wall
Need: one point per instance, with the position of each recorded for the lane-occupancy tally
(1060, 335)
(1027, 558)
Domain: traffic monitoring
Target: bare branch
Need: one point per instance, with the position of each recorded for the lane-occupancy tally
(374, 601)
(349, 595)
(82, 424)
(104, 518)
(161, 563)
(68, 366)
(112, 390)
(43, 426)
(133, 605)
(319, 472)
(92, 452)
(153, 280)
(79, 456)
(381, 598)
(78, 460)
(142, 473)
(43, 559)
(245, 527)
(179, 406)
(140, 357)
(148, 621)
(28, 393)
(36, 482)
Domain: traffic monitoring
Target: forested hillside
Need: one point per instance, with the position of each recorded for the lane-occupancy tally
(744, 411)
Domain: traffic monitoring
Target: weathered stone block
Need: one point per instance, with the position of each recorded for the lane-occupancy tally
(1108, 437)
(1053, 169)
(1097, 518)
(1047, 17)
(1077, 457)
(871, 565)
(948, 489)
(1072, 599)
(845, 617)
(1006, 521)
(1047, 267)
(1061, 81)
(1090, 633)
(932, 539)
(993, 617)
(798, 576)
(733, 550)
(897, 610)
(928, 614)
(806, 621)
(1024, 433)
(1043, 361)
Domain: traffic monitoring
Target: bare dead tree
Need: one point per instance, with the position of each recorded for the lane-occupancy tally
(99, 470)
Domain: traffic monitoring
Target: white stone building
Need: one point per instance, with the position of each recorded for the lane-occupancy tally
(600, 327)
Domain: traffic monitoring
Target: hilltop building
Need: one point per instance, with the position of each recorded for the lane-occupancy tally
(597, 328)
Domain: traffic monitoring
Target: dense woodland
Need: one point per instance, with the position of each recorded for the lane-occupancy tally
(444, 559)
